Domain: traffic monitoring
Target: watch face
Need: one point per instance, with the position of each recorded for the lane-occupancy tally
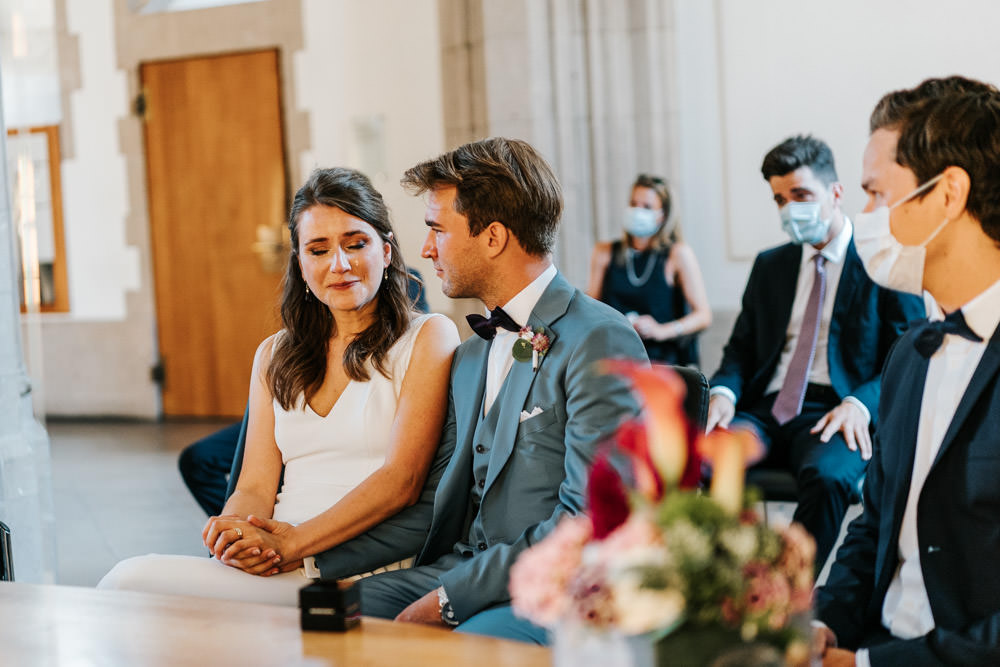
(448, 614)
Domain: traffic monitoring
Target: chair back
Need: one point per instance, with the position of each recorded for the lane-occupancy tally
(6, 554)
(696, 400)
(234, 472)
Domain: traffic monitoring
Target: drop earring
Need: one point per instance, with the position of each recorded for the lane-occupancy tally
(385, 274)
(307, 291)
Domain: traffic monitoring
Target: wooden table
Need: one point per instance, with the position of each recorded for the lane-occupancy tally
(61, 625)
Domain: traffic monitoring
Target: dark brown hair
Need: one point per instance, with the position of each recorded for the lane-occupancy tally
(947, 122)
(497, 179)
(298, 364)
(800, 151)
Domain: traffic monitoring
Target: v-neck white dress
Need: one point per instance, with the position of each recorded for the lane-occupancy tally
(324, 457)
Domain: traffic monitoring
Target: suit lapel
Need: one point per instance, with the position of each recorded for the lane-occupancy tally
(783, 292)
(470, 381)
(902, 421)
(981, 379)
(846, 287)
(550, 307)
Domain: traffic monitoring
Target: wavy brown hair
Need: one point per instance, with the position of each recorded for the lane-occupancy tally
(298, 364)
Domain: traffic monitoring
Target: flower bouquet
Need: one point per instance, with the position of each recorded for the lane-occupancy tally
(661, 571)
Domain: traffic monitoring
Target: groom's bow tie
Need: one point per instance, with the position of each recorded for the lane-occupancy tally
(930, 335)
(486, 328)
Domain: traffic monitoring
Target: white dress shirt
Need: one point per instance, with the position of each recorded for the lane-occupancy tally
(906, 610)
(501, 349)
(819, 373)
(834, 253)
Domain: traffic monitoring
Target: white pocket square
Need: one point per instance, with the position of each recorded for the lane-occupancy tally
(528, 415)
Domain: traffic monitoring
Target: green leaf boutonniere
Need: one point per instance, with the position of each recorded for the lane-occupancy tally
(530, 344)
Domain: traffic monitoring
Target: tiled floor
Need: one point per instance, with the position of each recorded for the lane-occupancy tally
(117, 493)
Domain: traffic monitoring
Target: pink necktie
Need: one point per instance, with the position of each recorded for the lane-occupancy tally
(789, 400)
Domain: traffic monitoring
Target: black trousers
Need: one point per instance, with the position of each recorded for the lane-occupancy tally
(205, 467)
(827, 472)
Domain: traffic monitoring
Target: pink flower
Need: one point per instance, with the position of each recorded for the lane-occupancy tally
(591, 598)
(768, 595)
(540, 578)
(637, 532)
(796, 562)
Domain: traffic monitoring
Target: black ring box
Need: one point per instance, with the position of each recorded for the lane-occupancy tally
(330, 605)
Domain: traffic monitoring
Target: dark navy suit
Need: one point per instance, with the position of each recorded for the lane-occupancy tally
(958, 523)
(865, 322)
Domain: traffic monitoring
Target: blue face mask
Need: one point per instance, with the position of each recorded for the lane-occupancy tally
(641, 222)
(800, 220)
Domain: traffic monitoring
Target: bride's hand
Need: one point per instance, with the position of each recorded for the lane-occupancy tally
(221, 531)
(265, 544)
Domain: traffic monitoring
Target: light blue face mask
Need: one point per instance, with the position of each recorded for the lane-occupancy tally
(801, 221)
(641, 222)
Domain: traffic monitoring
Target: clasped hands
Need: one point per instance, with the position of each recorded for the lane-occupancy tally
(847, 418)
(649, 329)
(254, 544)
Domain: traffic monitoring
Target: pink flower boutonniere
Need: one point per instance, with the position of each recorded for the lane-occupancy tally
(530, 344)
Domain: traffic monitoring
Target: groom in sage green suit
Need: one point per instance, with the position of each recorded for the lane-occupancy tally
(525, 416)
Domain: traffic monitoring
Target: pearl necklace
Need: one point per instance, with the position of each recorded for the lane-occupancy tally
(635, 279)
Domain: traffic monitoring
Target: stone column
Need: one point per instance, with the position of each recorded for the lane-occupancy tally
(590, 83)
(25, 467)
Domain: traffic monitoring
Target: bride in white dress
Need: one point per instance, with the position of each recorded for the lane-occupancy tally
(348, 400)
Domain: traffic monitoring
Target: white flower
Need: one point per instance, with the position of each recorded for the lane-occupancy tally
(640, 610)
(687, 541)
(740, 541)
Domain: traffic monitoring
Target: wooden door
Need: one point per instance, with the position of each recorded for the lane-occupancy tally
(215, 168)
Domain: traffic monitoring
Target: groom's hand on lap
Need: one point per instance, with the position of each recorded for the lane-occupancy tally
(425, 611)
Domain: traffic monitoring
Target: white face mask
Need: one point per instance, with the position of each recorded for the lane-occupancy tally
(641, 222)
(801, 221)
(889, 263)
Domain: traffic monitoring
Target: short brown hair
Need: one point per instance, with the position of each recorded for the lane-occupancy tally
(497, 179)
(946, 122)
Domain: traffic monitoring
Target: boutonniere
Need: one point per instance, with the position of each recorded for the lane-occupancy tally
(530, 344)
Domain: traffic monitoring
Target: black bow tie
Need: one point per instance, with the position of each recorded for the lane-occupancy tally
(930, 335)
(486, 328)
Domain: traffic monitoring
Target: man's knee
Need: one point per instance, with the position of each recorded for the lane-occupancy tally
(501, 622)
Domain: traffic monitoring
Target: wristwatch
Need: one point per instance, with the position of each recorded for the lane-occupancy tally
(444, 606)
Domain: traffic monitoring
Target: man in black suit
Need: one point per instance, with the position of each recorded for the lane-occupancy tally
(802, 364)
(917, 581)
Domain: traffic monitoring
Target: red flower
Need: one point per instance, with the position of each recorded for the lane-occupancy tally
(606, 496)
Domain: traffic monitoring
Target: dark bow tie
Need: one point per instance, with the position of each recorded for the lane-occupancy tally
(486, 328)
(930, 335)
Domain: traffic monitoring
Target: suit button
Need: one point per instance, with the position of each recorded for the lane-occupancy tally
(481, 546)
(481, 483)
(480, 449)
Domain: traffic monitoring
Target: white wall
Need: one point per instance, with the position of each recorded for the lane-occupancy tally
(359, 61)
(101, 266)
(752, 73)
(376, 65)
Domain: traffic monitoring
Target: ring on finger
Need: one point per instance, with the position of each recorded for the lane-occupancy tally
(239, 533)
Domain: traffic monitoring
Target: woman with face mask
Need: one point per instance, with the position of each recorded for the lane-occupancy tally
(652, 277)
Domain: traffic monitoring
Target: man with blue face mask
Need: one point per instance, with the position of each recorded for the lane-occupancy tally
(917, 580)
(802, 364)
